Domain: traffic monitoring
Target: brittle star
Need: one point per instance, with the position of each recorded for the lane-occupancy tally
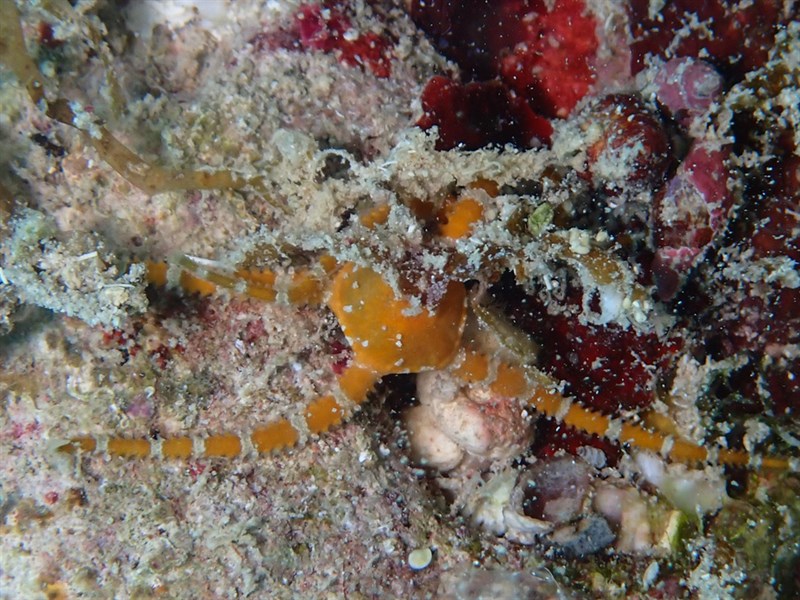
(398, 323)
(387, 330)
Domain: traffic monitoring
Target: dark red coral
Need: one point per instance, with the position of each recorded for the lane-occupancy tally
(777, 234)
(751, 308)
(473, 33)
(751, 318)
(735, 37)
(606, 367)
(777, 220)
(749, 305)
(523, 59)
(479, 114)
(783, 385)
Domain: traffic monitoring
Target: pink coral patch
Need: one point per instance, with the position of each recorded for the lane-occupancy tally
(326, 28)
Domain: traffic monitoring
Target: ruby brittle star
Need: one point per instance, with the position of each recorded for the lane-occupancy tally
(407, 317)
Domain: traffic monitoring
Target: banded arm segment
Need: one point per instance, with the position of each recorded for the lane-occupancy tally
(353, 387)
(206, 277)
(545, 399)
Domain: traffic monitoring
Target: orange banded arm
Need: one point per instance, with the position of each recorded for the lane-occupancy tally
(320, 415)
(551, 403)
(304, 286)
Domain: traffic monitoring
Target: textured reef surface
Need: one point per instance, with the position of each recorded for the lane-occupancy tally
(613, 186)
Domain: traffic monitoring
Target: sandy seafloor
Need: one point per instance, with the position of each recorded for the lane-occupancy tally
(87, 350)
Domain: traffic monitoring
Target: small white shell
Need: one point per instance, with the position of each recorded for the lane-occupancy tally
(420, 558)
(430, 446)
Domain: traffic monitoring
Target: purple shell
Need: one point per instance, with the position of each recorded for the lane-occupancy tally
(687, 87)
(688, 215)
